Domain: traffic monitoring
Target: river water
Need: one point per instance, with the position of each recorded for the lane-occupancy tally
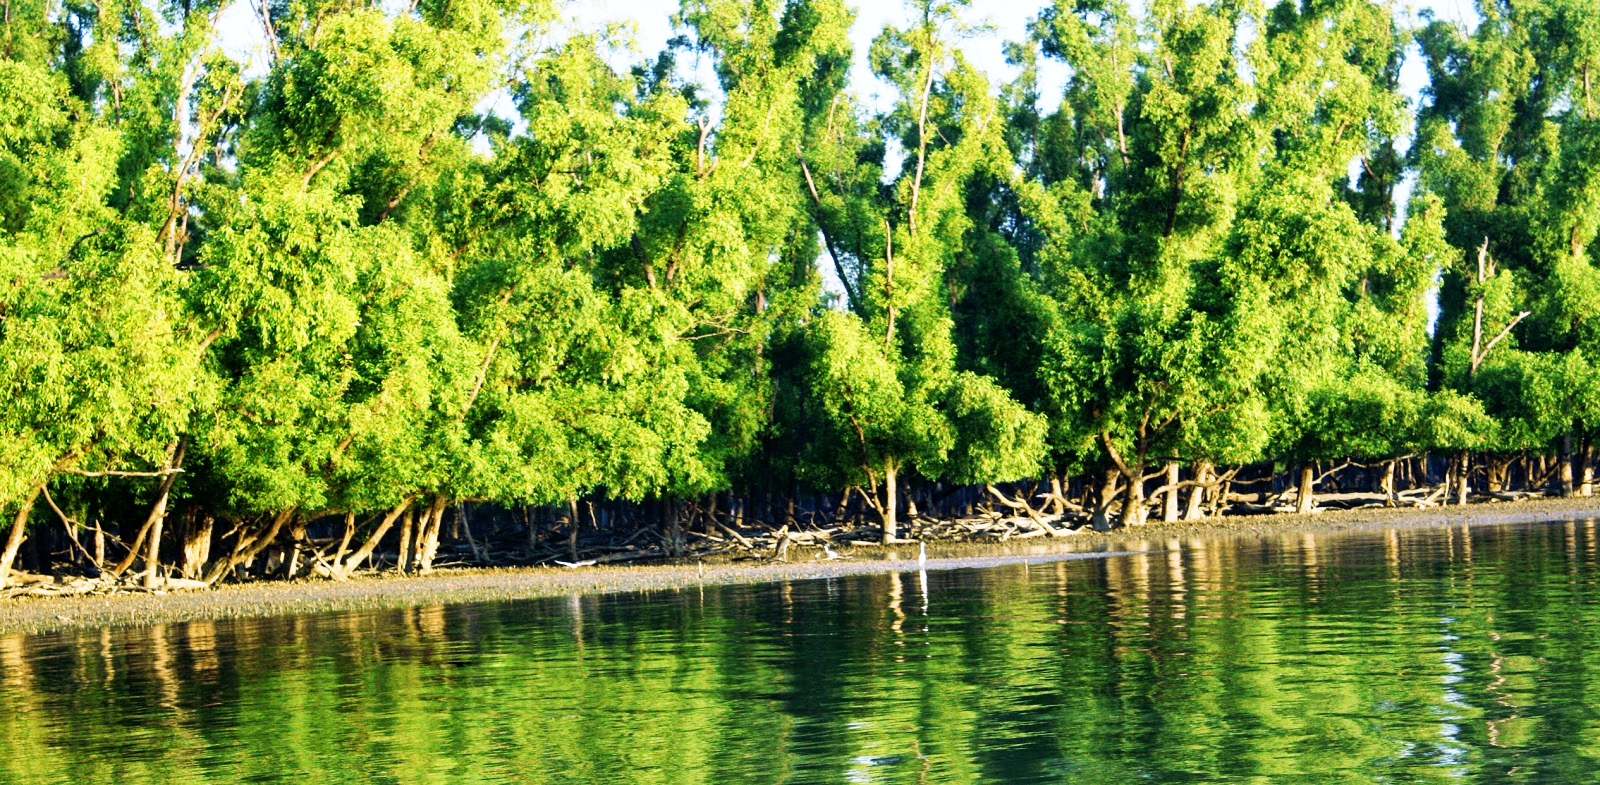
(1401, 656)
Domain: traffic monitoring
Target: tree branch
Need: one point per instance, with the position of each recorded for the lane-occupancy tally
(1116, 457)
(1478, 361)
(158, 473)
(851, 298)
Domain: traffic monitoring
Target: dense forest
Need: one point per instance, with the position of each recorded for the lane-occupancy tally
(313, 313)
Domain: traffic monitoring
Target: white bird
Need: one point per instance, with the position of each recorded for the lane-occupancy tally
(922, 554)
(573, 565)
(830, 554)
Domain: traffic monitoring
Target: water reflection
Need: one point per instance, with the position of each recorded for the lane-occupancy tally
(1453, 655)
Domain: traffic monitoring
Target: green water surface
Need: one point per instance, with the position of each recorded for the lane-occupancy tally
(1409, 656)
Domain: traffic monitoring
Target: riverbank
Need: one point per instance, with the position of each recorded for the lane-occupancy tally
(28, 615)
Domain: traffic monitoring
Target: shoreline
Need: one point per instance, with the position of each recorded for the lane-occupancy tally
(39, 615)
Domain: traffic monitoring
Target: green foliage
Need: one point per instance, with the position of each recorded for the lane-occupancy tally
(98, 370)
(456, 251)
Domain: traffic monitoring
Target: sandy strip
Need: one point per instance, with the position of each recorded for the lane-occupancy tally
(27, 615)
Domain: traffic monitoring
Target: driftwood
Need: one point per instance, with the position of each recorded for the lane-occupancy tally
(24, 585)
(1003, 513)
(1039, 521)
(730, 540)
(1262, 503)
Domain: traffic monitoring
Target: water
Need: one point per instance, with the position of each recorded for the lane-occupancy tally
(1413, 656)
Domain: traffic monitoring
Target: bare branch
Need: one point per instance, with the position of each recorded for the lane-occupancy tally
(1335, 470)
(851, 298)
(71, 527)
(159, 473)
(1478, 361)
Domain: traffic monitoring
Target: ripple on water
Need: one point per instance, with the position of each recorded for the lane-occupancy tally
(1372, 657)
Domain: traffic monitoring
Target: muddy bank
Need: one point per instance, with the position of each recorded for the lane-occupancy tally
(44, 614)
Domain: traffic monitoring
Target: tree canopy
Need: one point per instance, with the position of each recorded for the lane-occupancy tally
(465, 251)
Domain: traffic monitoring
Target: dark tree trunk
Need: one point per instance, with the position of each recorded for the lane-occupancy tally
(1566, 466)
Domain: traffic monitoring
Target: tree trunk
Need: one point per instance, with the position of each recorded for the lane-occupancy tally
(708, 514)
(1585, 468)
(355, 560)
(1134, 512)
(572, 529)
(344, 546)
(890, 503)
(152, 557)
(196, 543)
(428, 546)
(1452, 479)
(1305, 499)
(1109, 490)
(1197, 494)
(479, 555)
(297, 535)
(408, 527)
(19, 527)
(1566, 466)
(248, 548)
(1386, 485)
(1169, 510)
(1058, 495)
(675, 527)
(1463, 465)
(153, 523)
(1495, 469)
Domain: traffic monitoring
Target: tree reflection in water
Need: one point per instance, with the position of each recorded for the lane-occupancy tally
(1369, 657)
